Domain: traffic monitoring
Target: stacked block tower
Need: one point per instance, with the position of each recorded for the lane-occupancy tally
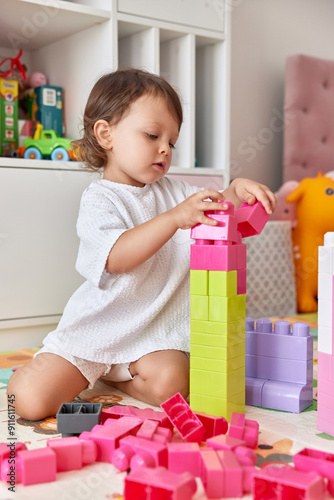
(218, 309)
(326, 335)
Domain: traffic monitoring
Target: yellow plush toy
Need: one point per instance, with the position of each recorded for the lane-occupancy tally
(314, 199)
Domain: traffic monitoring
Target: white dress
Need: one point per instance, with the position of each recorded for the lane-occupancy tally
(118, 318)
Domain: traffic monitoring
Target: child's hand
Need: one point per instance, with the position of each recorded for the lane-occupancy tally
(191, 211)
(248, 191)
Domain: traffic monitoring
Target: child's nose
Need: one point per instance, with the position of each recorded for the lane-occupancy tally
(164, 149)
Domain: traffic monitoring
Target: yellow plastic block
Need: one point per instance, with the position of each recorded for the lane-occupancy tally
(199, 282)
(213, 352)
(199, 307)
(216, 327)
(223, 283)
(223, 309)
(213, 340)
(217, 365)
(216, 384)
(241, 306)
(219, 407)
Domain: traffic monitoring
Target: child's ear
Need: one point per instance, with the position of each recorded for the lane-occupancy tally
(102, 131)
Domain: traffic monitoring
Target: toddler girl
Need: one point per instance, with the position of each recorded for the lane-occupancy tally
(128, 324)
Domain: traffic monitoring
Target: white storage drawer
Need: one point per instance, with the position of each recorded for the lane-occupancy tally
(198, 13)
(38, 241)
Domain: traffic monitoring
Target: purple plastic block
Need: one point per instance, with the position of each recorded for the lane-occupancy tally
(282, 370)
(254, 388)
(251, 219)
(157, 484)
(279, 343)
(285, 482)
(213, 257)
(287, 397)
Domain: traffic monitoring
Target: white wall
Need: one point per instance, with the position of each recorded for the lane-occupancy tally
(264, 33)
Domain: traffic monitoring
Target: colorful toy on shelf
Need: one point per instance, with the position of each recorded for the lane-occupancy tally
(43, 104)
(314, 198)
(279, 365)
(326, 336)
(285, 210)
(9, 139)
(218, 309)
(74, 418)
(47, 144)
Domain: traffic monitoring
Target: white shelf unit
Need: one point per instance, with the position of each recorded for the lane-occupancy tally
(73, 43)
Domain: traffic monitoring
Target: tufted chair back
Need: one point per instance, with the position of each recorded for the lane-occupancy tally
(308, 117)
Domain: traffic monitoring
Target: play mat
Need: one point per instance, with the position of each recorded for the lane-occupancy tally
(281, 436)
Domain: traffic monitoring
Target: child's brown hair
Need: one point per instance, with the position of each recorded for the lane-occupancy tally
(110, 98)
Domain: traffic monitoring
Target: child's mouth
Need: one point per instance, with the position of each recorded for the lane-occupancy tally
(161, 165)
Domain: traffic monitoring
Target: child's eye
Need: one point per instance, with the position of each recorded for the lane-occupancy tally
(152, 136)
(171, 145)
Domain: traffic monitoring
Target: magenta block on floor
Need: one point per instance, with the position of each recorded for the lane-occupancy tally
(279, 343)
(158, 484)
(233, 474)
(224, 442)
(318, 461)
(108, 435)
(73, 453)
(212, 474)
(213, 425)
(287, 483)
(244, 429)
(282, 370)
(183, 418)
(8, 450)
(119, 411)
(184, 457)
(134, 452)
(251, 219)
(32, 467)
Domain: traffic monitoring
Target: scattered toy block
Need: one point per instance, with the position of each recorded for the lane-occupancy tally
(32, 467)
(118, 411)
(184, 457)
(183, 418)
(318, 461)
(244, 429)
(134, 453)
(72, 453)
(74, 418)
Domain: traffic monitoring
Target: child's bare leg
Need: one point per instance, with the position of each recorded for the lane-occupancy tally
(43, 385)
(158, 376)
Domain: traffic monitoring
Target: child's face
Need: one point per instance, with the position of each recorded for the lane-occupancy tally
(142, 143)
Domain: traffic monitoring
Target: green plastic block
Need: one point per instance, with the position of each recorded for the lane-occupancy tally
(217, 365)
(219, 407)
(199, 307)
(223, 309)
(242, 306)
(213, 340)
(199, 282)
(216, 384)
(223, 283)
(214, 352)
(216, 327)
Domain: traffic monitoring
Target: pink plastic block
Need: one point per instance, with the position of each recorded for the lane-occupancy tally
(325, 425)
(151, 430)
(72, 453)
(118, 411)
(183, 457)
(233, 477)
(135, 452)
(213, 425)
(159, 484)
(251, 219)
(183, 418)
(285, 482)
(213, 257)
(326, 366)
(245, 456)
(318, 461)
(245, 429)
(224, 442)
(9, 450)
(32, 467)
(108, 435)
(241, 256)
(241, 281)
(225, 230)
(212, 473)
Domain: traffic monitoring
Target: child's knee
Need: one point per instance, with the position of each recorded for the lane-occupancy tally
(172, 379)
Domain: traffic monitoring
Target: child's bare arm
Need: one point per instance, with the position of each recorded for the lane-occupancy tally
(137, 245)
(248, 191)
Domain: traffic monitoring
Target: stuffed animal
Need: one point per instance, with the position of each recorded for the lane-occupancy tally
(314, 198)
(285, 210)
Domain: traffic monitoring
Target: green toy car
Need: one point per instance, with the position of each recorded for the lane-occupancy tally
(47, 144)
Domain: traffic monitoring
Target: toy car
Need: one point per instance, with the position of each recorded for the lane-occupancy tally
(47, 144)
